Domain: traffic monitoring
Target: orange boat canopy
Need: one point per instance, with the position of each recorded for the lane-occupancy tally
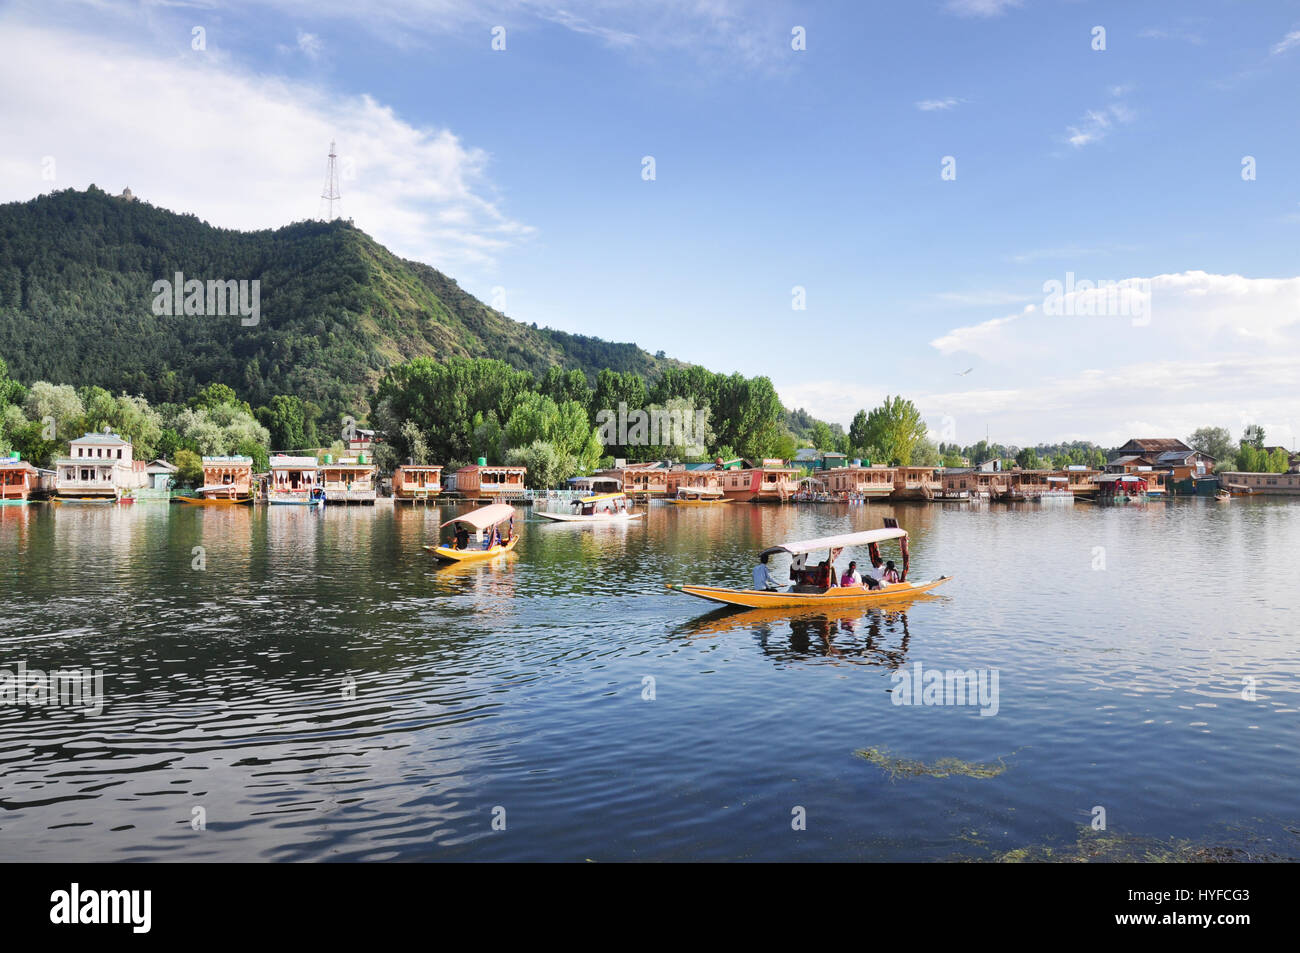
(485, 516)
(837, 542)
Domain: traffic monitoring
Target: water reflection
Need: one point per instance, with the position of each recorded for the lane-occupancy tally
(874, 636)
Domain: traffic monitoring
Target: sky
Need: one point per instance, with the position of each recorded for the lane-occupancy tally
(853, 199)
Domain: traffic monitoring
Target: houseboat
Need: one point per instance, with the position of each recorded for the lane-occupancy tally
(859, 482)
(643, 480)
(294, 481)
(226, 481)
(772, 482)
(702, 477)
(349, 480)
(20, 482)
(916, 483)
(482, 482)
(416, 482)
(978, 483)
(99, 468)
(1239, 483)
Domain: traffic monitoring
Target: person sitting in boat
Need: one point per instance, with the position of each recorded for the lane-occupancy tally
(890, 574)
(462, 538)
(851, 578)
(763, 580)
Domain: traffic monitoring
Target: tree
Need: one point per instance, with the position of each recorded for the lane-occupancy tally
(896, 428)
(1214, 442)
(822, 438)
(859, 437)
(285, 419)
(189, 467)
(1027, 459)
(413, 440)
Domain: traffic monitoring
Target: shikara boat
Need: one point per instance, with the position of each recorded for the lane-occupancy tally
(802, 595)
(489, 518)
(698, 496)
(215, 500)
(601, 508)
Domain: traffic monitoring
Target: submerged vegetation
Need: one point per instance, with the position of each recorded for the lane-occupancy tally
(897, 767)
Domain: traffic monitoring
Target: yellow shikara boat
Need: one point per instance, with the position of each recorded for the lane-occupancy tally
(484, 518)
(803, 595)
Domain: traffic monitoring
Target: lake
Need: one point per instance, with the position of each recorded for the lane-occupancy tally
(309, 686)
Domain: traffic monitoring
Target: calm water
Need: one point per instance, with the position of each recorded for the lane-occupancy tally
(322, 691)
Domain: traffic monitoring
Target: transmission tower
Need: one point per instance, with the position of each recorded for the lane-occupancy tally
(331, 193)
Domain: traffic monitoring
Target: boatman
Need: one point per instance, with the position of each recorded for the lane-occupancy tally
(763, 580)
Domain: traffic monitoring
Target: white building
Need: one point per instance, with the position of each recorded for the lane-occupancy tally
(99, 464)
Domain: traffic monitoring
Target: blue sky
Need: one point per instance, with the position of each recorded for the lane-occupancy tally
(519, 172)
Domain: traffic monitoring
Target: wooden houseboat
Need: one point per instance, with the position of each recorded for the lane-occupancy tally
(772, 482)
(416, 482)
(916, 483)
(225, 480)
(349, 480)
(20, 482)
(482, 482)
(294, 481)
(859, 482)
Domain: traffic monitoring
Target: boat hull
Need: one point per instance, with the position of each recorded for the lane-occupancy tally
(446, 554)
(699, 502)
(597, 518)
(839, 596)
(205, 501)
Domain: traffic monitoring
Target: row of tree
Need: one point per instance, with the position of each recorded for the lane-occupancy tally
(558, 425)
(1247, 455)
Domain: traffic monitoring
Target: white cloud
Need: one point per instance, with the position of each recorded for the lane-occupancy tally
(1288, 41)
(195, 134)
(1216, 348)
(931, 105)
(309, 44)
(982, 8)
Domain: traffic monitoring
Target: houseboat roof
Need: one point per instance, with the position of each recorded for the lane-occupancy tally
(283, 462)
(836, 542)
(9, 463)
(474, 466)
(420, 466)
(1153, 445)
(1176, 456)
(485, 516)
(107, 437)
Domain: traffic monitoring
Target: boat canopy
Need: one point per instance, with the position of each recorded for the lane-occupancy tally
(601, 497)
(837, 542)
(485, 516)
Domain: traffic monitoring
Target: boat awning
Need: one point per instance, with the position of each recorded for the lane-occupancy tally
(485, 516)
(601, 497)
(836, 542)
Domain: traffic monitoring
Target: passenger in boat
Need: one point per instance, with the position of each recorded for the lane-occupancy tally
(462, 538)
(763, 580)
(851, 578)
(890, 574)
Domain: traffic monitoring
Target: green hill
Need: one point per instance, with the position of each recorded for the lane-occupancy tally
(336, 308)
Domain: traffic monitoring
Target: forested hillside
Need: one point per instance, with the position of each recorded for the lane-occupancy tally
(336, 309)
